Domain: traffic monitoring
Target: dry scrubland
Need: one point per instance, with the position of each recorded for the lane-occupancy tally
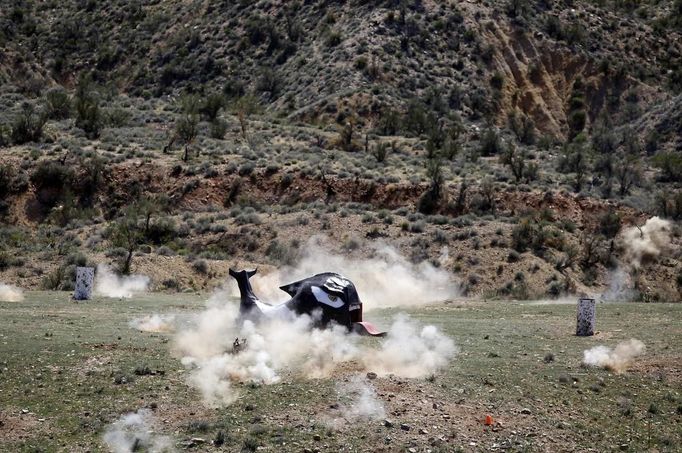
(514, 144)
(70, 371)
(506, 150)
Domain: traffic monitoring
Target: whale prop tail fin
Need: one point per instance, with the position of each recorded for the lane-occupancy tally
(248, 305)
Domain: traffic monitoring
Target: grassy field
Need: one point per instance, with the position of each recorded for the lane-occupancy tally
(68, 370)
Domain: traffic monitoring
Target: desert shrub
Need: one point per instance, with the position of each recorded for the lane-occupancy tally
(200, 266)
(6, 175)
(670, 164)
(28, 125)
(523, 127)
(89, 116)
(490, 143)
(281, 253)
(57, 103)
(430, 200)
(117, 117)
(529, 234)
(218, 128)
(389, 123)
(51, 180)
(212, 105)
(161, 231)
(333, 38)
(669, 204)
(380, 151)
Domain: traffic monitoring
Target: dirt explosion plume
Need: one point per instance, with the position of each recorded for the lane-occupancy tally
(220, 352)
(133, 432)
(640, 245)
(387, 279)
(108, 284)
(617, 359)
(643, 244)
(9, 293)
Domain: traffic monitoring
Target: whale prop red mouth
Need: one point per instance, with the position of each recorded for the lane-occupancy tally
(328, 298)
(367, 328)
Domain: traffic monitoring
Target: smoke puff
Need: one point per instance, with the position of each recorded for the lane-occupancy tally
(387, 279)
(133, 432)
(9, 293)
(641, 245)
(410, 352)
(108, 284)
(617, 359)
(154, 323)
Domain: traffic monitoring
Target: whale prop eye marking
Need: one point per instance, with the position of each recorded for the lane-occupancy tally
(325, 298)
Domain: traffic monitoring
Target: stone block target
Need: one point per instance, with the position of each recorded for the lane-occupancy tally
(586, 317)
(85, 277)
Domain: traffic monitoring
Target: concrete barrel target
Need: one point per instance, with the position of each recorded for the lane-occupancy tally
(586, 317)
(85, 277)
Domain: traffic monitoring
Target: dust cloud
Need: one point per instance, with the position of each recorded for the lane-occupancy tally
(387, 279)
(267, 350)
(410, 351)
(9, 293)
(358, 402)
(617, 359)
(133, 432)
(108, 284)
(154, 323)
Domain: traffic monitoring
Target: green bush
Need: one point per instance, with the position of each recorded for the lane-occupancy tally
(28, 125)
(670, 164)
(529, 234)
(89, 117)
(57, 103)
(491, 144)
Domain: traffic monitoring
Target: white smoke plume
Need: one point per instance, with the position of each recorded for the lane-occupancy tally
(645, 243)
(292, 345)
(617, 359)
(108, 284)
(9, 293)
(387, 279)
(133, 432)
(358, 402)
(409, 351)
(154, 323)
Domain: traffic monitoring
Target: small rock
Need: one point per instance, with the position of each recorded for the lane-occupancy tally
(423, 431)
(371, 375)
(317, 437)
(412, 450)
(404, 426)
(525, 411)
(249, 407)
(388, 423)
(198, 440)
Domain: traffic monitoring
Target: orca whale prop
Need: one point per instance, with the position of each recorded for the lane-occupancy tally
(326, 297)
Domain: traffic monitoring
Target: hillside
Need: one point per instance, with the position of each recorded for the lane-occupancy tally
(513, 143)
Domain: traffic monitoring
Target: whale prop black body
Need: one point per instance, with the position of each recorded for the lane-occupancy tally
(327, 298)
